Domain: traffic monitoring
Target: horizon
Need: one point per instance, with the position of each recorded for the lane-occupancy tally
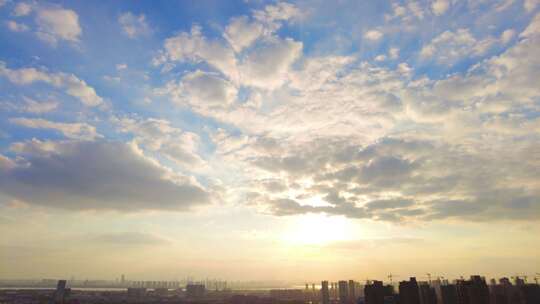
(262, 140)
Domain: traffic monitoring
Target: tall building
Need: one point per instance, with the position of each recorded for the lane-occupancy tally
(325, 293)
(427, 294)
(374, 293)
(473, 291)
(61, 292)
(530, 293)
(408, 292)
(195, 290)
(343, 291)
(352, 291)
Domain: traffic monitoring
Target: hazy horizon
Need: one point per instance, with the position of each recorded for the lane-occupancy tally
(269, 140)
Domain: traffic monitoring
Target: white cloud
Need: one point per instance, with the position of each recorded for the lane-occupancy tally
(38, 107)
(22, 9)
(121, 66)
(16, 27)
(373, 35)
(134, 25)
(195, 47)
(533, 28)
(55, 24)
(241, 33)
(267, 65)
(507, 36)
(530, 5)
(202, 91)
(160, 136)
(393, 53)
(81, 131)
(380, 58)
(439, 7)
(69, 82)
(451, 47)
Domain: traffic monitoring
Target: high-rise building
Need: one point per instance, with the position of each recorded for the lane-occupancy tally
(473, 291)
(374, 293)
(343, 291)
(427, 294)
(325, 293)
(195, 290)
(408, 292)
(61, 292)
(352, 291)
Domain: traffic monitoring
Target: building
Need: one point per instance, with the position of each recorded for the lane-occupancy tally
(408, 292)
(325, 293)
(287, 294)
(473, 291)
(195, 290)
(530, 293)
(352, 291)
(136, 292)
(374, 293)
(61, 292)
(427, 294)
(343, 292)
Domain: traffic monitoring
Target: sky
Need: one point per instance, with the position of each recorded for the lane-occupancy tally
(253, 140)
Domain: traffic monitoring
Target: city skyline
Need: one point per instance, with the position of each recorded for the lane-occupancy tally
(263, 140)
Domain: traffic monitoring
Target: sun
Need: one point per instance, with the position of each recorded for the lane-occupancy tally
(318, 229)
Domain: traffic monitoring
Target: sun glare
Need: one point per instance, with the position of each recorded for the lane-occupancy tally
(318, 229)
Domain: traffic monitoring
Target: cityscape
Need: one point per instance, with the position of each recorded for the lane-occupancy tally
(270, 151)
(473, 290)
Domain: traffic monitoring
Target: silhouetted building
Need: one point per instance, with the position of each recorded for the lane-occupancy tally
(352, 293)
(343, 292)
(427, 294)
(287, 294)
(473, 291)
(61, 292)
(325, 293)
(408, 292)
(530, 293)
(374, 293)
(136, 292)
(195, 290)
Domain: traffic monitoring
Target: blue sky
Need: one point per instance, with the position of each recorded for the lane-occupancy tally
(311, 130)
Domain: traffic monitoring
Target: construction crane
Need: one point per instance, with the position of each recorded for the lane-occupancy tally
(519, 276)
(391, 276)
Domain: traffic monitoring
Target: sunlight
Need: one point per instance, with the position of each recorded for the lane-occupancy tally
(318, 229)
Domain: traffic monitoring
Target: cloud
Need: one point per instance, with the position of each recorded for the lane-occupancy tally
(82, 131)
(439, 7)
(70, 83)
(22, 9)
(373, 35)
(267, 65)
(194, 47)
(202, 91)
(56, 24)
(158, 135)
(16, 27)
(30, 106)
(250, 53)
(241, 33)
(530, 5)
(451, 47)
(129, 239)
(96, 175)
(133, 25)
